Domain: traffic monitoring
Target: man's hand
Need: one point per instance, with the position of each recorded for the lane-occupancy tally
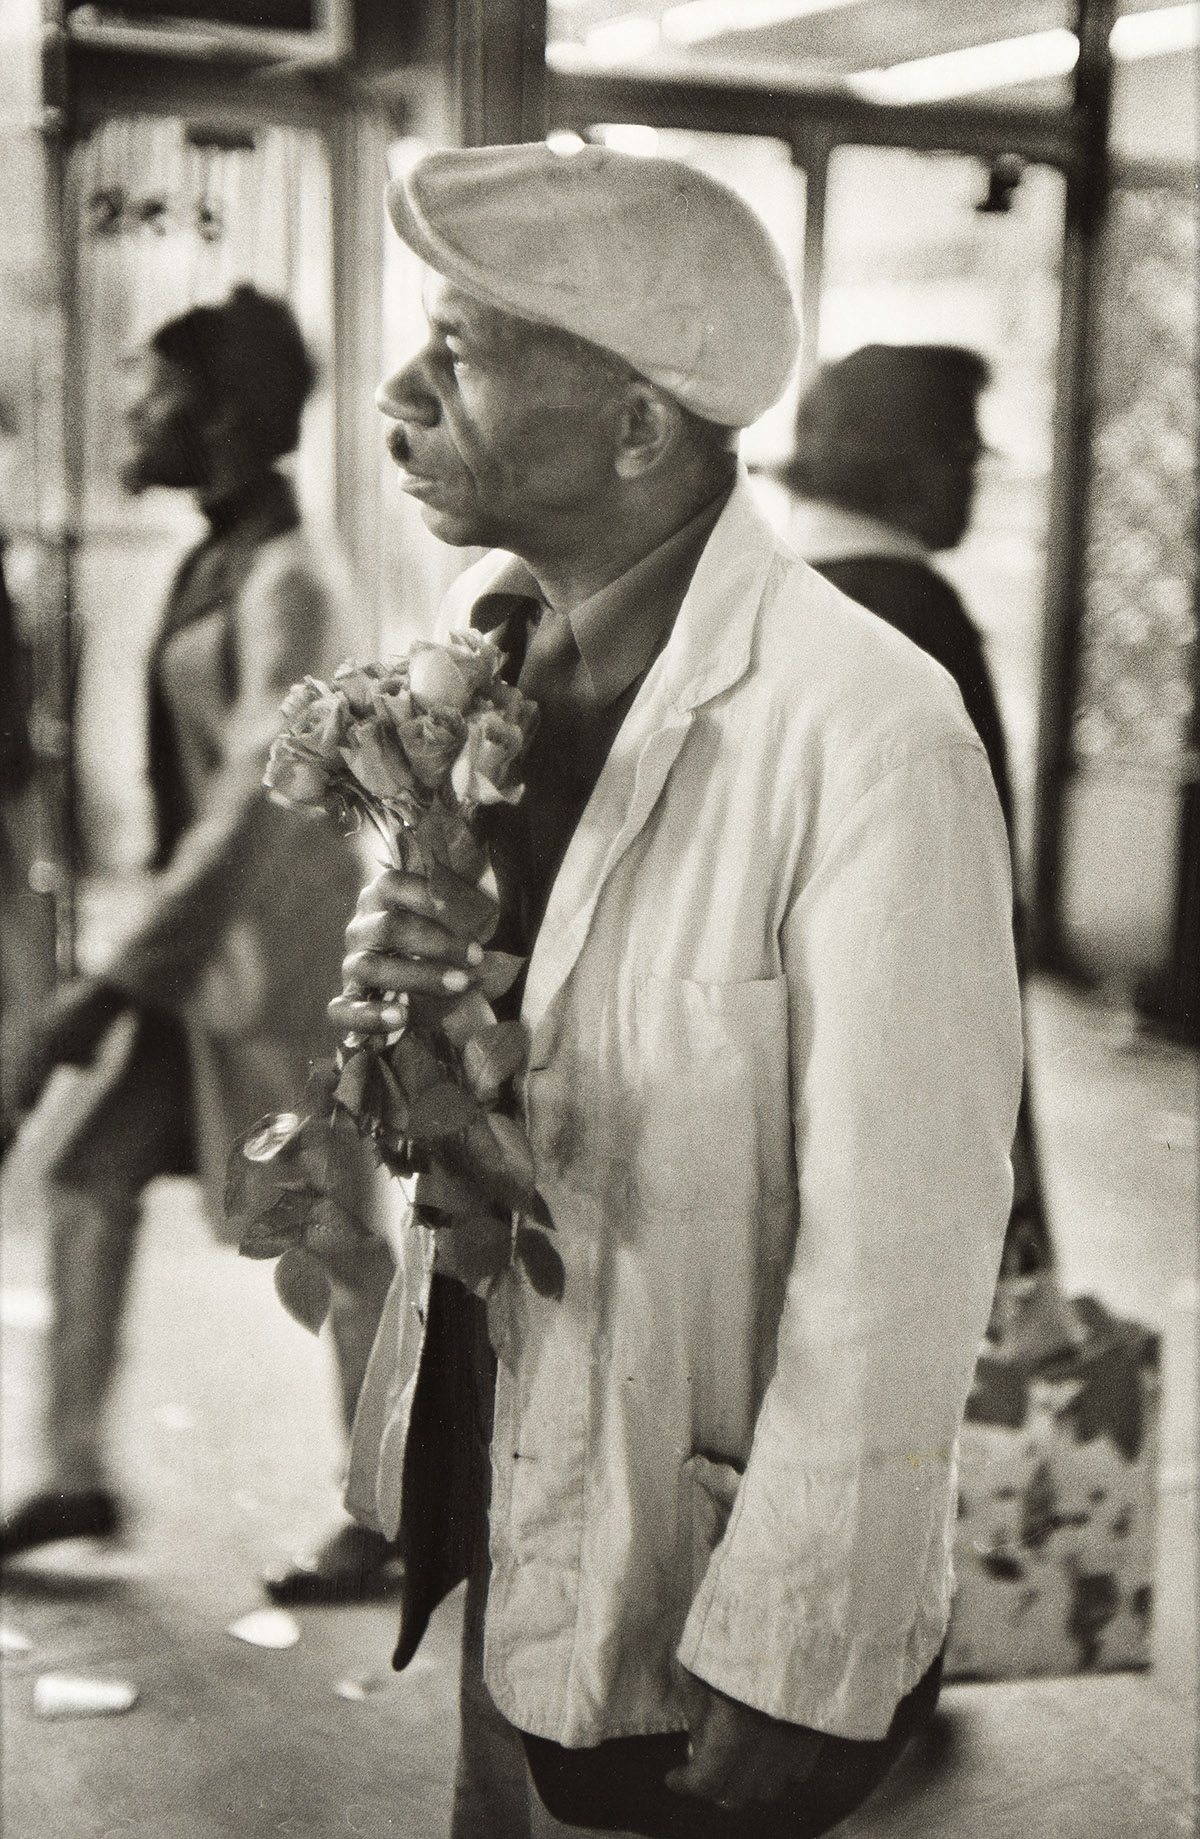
(75, 1022)
(401, 941)
(740, 1757)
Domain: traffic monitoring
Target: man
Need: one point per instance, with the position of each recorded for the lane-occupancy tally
(774, 1045)
(221, 992)
(884, 470)
(887, 452)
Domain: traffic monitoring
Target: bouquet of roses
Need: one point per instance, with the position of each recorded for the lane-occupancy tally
(412, 747)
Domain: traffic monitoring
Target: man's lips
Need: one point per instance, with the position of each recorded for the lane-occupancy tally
(417, 483)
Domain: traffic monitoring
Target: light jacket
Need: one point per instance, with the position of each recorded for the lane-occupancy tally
(773, 1076)
(242, 933)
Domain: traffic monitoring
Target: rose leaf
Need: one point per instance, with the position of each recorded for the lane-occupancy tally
(543, 1266)
(303, 1288)
(442, 1111)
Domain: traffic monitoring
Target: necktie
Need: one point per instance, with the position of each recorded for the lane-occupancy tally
(551, 662)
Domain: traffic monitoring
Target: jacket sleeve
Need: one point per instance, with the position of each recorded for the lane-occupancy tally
(288, 622)
(829, 1594)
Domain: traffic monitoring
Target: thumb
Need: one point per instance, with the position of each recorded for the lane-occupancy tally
(710, 1758)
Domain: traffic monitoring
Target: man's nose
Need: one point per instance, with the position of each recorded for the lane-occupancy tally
(408, 395)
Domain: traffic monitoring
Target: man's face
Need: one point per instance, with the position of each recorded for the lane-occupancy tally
(503, 430)
(163, 426)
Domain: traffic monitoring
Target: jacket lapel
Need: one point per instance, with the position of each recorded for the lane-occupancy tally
(707, 652)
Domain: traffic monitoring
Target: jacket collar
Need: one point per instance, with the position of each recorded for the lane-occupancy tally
(707, 652)
(822, 531)
(709, 647)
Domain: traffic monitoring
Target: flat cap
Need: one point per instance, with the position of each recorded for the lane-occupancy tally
(647, 258)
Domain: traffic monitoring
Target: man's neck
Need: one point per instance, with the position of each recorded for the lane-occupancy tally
(224, 500)
(605, 546)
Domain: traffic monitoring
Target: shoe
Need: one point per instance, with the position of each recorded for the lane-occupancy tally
(58, 1513)
(356, 1565)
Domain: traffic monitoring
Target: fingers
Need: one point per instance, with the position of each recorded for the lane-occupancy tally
(741, 1758)
(399, 942)
(401, 915)
(712, 1758)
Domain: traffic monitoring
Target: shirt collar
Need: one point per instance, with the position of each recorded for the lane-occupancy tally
(620, 629)
(821, 531)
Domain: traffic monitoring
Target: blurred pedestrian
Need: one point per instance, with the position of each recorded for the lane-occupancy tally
(224, 978)
(884, 474)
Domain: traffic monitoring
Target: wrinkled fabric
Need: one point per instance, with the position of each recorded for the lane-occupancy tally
(774, 1068)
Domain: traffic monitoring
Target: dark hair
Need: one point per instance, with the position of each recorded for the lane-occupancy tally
(248, 353)
(865, 420)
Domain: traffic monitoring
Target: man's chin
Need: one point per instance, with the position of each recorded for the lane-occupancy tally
(454, 527)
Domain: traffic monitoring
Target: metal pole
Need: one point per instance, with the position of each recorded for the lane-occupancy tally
(59, 467)
(812, 155)
(501, 66)
(1087, 196)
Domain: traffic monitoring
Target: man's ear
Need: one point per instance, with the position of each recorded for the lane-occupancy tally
(650, 424)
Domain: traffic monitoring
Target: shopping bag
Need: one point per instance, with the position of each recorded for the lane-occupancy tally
(1055, 1541)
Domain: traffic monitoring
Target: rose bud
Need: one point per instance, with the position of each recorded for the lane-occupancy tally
(435, 680)
(432, 742)
(376, 759)
(355, 684)
(475, 656)
(300, 698)
(294, 777)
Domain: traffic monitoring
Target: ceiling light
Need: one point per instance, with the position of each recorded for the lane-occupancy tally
(622, 40)
(629, 137)
(701, 19)
(1030, 59)
(978, 67)
(1167, 28)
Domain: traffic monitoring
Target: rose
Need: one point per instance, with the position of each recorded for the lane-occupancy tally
(359, 684)
(375, 756)
(315, 714)
(297, 777)
(483, 768)
(515, 708)
(431, 738)
(437, 681)
(476, 657)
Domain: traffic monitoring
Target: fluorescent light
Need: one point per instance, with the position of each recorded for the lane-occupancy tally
(1167, 28)
(701, 19)
(622, 40)
(1034, 57)
(629, 137)
(978, 67)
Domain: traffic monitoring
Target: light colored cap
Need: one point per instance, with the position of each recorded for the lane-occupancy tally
(646, 258)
